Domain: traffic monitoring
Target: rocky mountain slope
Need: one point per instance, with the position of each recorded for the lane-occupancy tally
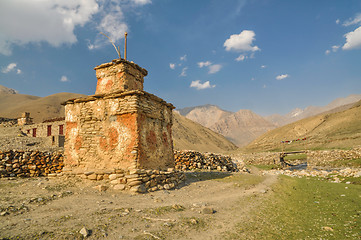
(206, 115)
(240, 128)
(330, 130)
(298, 114)
(4, 89)
(189, 135)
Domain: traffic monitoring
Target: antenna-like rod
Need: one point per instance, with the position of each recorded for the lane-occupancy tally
(125, 45)
(116, 49)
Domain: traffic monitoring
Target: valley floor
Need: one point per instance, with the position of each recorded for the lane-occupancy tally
(210, 205)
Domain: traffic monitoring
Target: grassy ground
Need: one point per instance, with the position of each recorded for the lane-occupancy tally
(305, 209)
(354, 163)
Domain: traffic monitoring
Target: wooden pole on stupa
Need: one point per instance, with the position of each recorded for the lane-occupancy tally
(125, 45)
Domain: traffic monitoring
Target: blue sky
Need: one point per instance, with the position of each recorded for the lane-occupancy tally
(269, 56)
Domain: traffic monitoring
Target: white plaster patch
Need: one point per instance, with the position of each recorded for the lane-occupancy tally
(113, 105)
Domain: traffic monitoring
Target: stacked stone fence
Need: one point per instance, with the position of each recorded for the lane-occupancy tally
(36, 163)
(29, 163)
(320, 158)
(8, 122)
(192, 160)
(331, 157)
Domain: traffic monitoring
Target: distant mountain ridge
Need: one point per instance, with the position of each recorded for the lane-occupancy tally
(298, 114)
(5, 90)
(240, 128)
(340, 129)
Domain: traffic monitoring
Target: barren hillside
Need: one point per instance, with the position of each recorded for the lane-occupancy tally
(240, 128)
(12, 105)
(296, 114)
(193, 136)
(325, 131)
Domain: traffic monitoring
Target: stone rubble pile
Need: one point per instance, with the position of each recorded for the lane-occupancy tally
(192, 160)
(29, 163)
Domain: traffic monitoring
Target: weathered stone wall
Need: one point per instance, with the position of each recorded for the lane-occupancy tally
(331, 157)
(8, 122)
(314, 158)
(35, 163)
(119, 75)
(125, 130)
(192, 160)
(155, 149)
(29, 163)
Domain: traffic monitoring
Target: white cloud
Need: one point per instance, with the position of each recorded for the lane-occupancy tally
(172, 65)
(335, 48)
(327, 52)
(214, 68)
(9, 68)
(18, 71)
(64, 79)
(252, 79)
(241, 58)
(184, 72)
(141, 2)
(356, 20)
(263, 66)
(241, 42)
(51, 21)
(204, 64)
(282, 76)
(113, 25)
(353, 39)
(337, 21)
(199, 86)
(183, 58)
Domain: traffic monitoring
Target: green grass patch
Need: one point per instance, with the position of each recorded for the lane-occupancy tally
(292, 157)
(355, 163)
(303, 208)
(267, 167)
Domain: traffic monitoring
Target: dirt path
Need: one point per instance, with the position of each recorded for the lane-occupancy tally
(207, 206)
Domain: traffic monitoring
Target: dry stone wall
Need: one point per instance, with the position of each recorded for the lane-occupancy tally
(36, 163)
(8, 122)
(331, 157)
(314, 158)
(192, 160)
(29, 163)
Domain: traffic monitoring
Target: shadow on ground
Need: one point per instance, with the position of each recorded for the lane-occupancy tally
(192, 177)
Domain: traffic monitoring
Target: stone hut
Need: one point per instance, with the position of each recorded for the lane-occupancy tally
(121, 128)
